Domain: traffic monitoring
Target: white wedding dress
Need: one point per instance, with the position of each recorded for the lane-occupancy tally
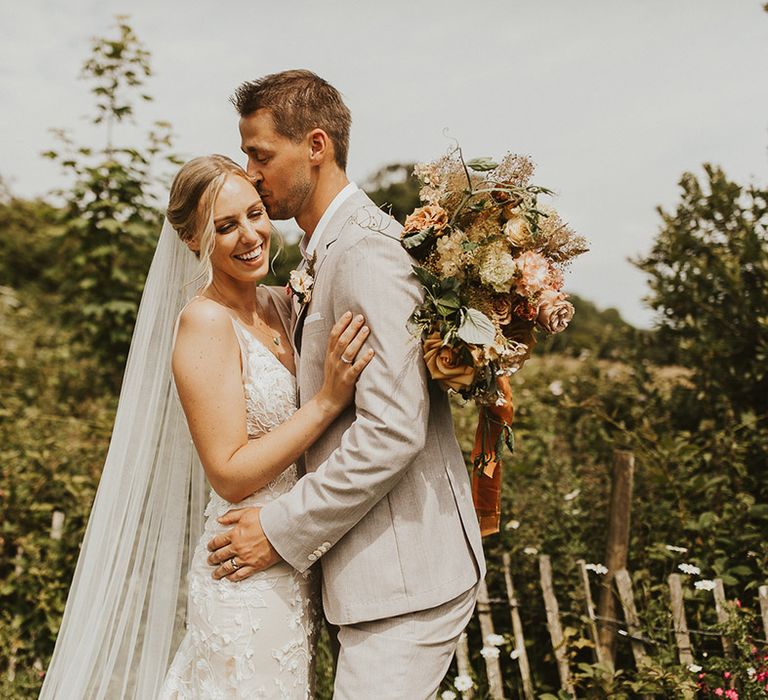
(250, 639)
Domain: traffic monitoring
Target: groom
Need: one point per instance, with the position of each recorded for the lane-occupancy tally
(385, 506)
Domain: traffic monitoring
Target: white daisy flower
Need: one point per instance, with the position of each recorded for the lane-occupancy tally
(490, 652)
(689, 569)
(447, 695)
(494, 640)
(556, 388)
(597, 568)
(463, 683)
(704, 585)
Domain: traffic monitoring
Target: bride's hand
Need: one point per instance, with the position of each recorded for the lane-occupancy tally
(344, 362)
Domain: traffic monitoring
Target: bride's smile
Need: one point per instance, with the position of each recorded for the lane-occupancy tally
(242, 232)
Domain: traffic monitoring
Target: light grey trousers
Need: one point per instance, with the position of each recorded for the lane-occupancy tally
(404, 657)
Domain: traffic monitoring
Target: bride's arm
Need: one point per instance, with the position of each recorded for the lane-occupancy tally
(207, 371)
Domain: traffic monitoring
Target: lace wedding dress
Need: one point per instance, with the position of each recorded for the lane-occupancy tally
(253, 638)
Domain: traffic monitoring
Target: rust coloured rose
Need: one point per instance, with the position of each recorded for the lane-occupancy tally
(501, 310)
(522, 309)
(502, 196)
(555, 313)
(431, 215)
(445, 364)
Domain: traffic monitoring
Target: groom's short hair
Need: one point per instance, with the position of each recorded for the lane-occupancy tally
(299, 101)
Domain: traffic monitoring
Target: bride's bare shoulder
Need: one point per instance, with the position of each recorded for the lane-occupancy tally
(205, 316)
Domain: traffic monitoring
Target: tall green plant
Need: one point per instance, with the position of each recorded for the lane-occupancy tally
(708, 273)
(110, 217)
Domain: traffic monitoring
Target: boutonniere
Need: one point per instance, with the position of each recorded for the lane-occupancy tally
(301, 281)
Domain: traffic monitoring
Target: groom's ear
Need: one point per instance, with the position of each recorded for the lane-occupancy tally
(320, 146)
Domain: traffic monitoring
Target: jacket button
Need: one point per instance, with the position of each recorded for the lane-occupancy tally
(326, 545)
(312, 557)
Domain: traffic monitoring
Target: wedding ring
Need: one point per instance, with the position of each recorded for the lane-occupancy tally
(346, 361)
(235, 565)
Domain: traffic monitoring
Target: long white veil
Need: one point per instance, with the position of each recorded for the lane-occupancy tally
(125, 612)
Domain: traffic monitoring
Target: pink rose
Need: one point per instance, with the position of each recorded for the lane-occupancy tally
(555, 313)
(533, 274)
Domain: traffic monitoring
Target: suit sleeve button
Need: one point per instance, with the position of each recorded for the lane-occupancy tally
(312, 557)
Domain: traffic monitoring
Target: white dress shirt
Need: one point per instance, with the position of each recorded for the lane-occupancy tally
(308, 245)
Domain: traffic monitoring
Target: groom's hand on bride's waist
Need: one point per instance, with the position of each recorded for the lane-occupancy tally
(244, 550)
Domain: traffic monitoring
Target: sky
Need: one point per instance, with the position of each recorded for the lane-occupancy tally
(613, 99)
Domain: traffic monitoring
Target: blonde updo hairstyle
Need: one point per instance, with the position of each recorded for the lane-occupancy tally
(190, 205)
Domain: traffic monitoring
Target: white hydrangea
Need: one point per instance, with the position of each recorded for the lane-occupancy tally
(497, 269)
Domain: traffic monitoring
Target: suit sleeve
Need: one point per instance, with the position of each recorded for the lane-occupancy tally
(391, 409)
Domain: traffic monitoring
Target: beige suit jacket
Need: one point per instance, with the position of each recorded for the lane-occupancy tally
(386, 504)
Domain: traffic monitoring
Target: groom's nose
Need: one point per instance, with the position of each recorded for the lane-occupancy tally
(254, 171)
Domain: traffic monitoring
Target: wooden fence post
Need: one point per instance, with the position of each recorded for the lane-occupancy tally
(680, 625)
(722, 614)
(616, 547)
(764, 608)
(57, 525)
(682, 638)
(624, 587)
(599, 652)
(553, 623)
(517, 631)
(462, 663)
(492, 666)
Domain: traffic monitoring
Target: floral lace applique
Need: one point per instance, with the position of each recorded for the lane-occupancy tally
(250, 639)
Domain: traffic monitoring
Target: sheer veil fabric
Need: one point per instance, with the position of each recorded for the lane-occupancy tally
(125, 613)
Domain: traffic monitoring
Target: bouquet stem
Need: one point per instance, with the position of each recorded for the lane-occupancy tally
(493, 425)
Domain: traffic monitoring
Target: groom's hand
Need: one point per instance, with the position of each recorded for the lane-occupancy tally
(245, 542)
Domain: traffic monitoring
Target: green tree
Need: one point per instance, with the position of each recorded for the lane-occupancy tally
(28, 239)
(708, 273)
(394, 188)
(603, 333)
(110, 219)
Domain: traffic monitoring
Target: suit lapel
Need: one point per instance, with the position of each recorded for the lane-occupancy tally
(331, 233)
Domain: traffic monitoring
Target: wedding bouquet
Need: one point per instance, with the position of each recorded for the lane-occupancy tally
(491, 261)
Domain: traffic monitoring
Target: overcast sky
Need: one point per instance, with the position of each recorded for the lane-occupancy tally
(614, 99)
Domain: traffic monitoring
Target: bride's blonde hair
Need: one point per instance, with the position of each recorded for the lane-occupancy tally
(190, 205)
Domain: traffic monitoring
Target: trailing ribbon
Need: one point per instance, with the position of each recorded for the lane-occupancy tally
(493, 426)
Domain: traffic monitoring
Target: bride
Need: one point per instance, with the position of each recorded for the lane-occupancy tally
(142, 571)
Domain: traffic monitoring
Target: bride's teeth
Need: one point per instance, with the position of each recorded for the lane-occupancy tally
(255, 253)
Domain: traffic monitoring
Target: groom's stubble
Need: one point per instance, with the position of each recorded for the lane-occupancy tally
(292, 203)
